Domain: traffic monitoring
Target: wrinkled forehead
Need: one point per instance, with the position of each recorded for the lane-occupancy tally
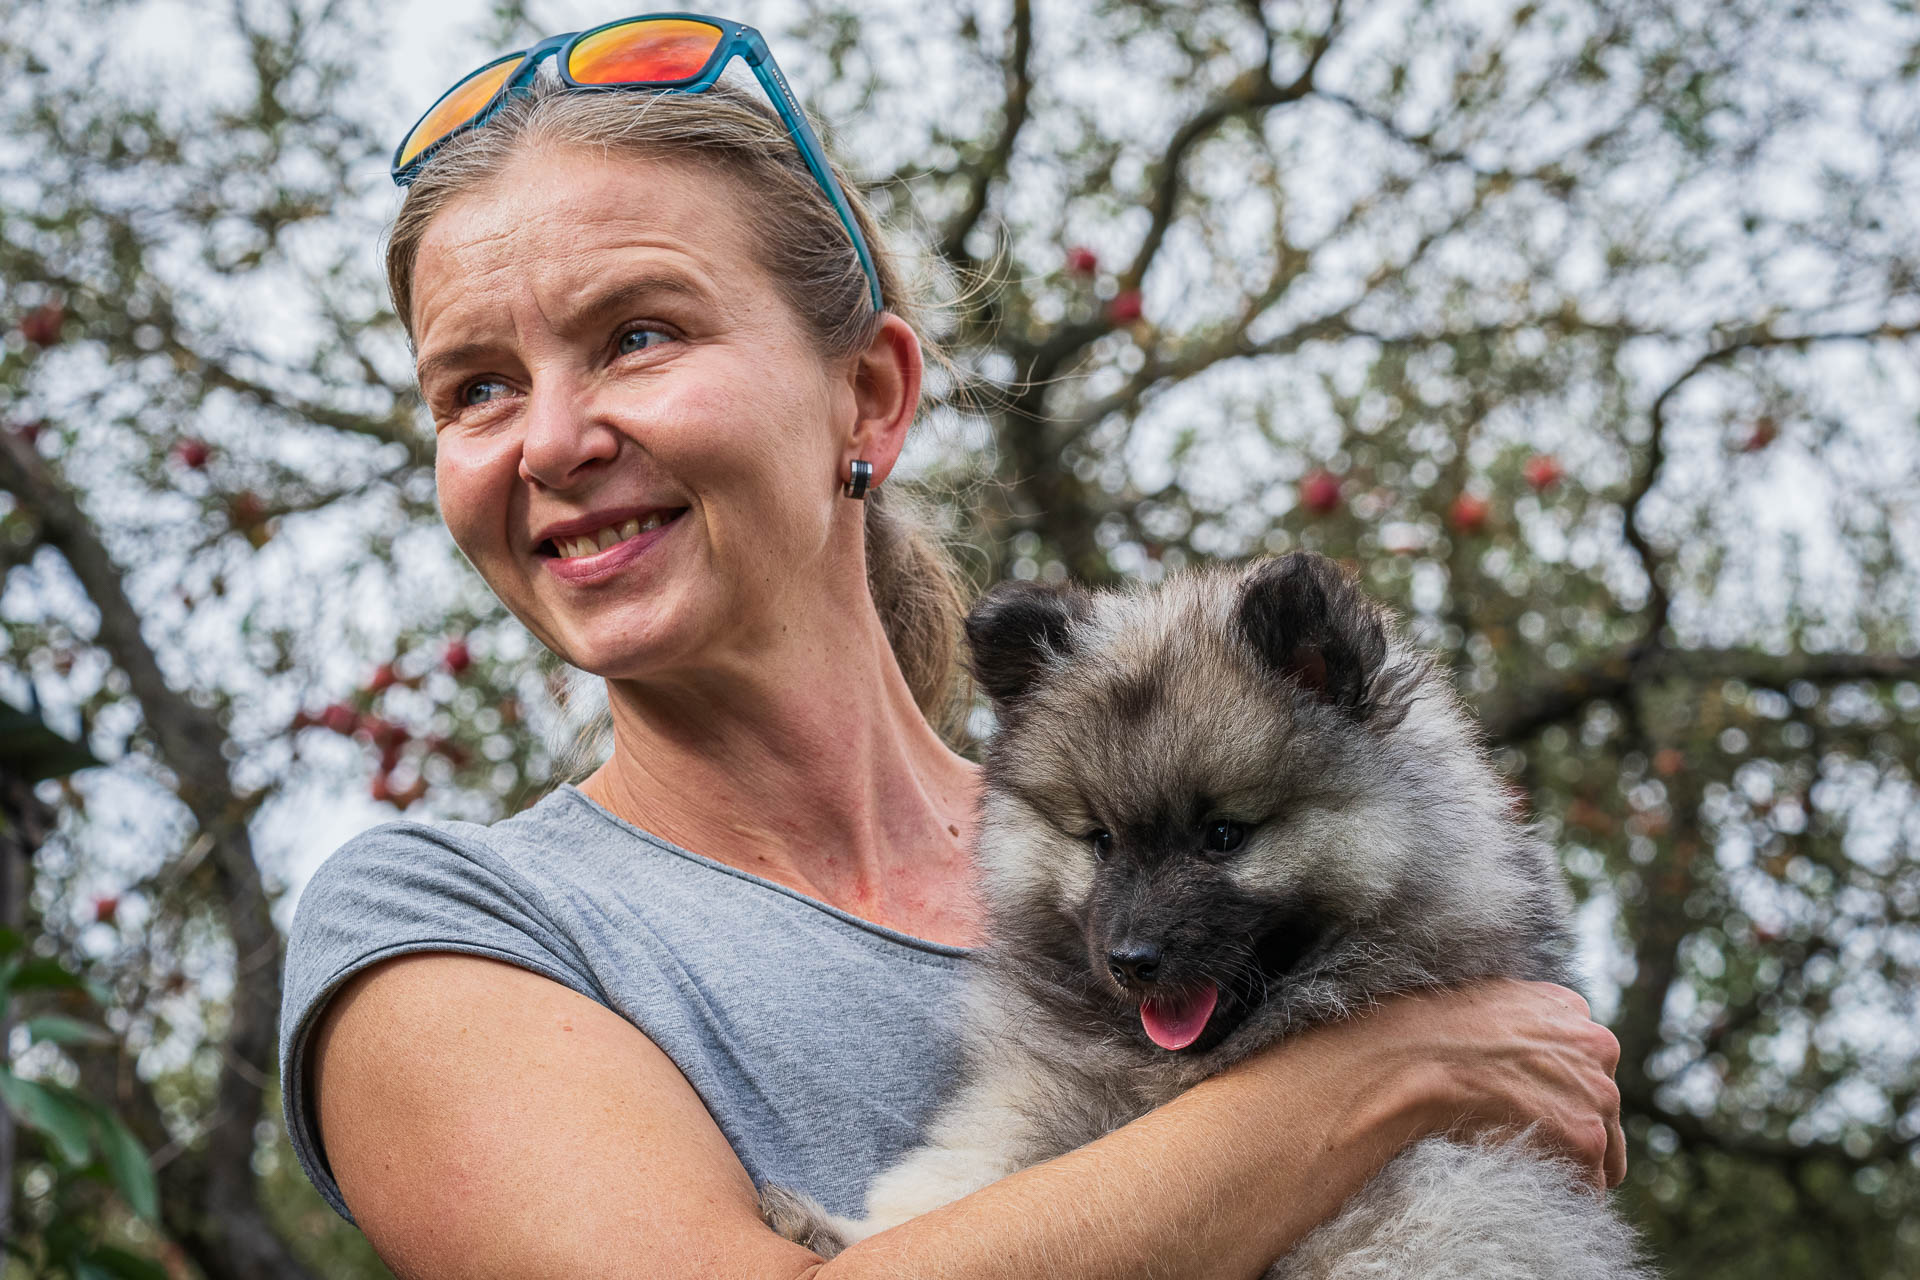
(554, 223)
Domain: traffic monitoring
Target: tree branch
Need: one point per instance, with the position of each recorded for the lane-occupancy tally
(1614, 677)
(209, 1200)
(1019, 77)
(1659, 600)
(1252, 91)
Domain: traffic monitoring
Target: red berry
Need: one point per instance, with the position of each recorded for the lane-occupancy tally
(41, 326)
(106, 908)
(1543, 471)
(30, 431)
(1469, 513)
(1124, 308)
(245, 508)
(193, 452)
(406, 795)
(455, 753)
(1764, 432)
(380, 789)
(457, 657)
(383, 733)
(340, 718)
(383, 678)
(304, 719)
(1082, 261)
(1320, 492)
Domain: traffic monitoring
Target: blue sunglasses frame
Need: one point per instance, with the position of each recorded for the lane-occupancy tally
(737, 40)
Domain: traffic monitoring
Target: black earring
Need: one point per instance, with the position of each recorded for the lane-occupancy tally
(862, 474)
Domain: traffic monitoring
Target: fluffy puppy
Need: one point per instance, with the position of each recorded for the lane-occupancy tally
(1217, 812)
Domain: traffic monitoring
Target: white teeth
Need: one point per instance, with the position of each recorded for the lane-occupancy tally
(588, 544)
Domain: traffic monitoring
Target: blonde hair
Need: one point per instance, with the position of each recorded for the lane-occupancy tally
(915, 582)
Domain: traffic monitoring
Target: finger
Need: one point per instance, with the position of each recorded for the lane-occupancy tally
(1616, 1159)
(1610, 1050)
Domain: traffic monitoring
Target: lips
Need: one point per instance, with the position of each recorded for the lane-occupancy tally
(552, 537)
(604, 564)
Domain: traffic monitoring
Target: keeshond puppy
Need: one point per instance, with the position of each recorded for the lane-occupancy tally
(1217, 812)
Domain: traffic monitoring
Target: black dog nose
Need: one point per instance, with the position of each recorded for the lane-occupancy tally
(1134, 963)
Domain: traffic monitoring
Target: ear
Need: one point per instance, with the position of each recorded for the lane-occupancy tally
(1015, 628)
(885, 381)
(1309, 622)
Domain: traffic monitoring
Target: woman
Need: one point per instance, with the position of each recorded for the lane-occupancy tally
(568, 1044)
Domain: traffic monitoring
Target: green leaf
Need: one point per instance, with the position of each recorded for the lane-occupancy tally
(118, 1264)
(43, 973)
(61, 1029)
(10, 941)
(53, 1111)
(127, 1162)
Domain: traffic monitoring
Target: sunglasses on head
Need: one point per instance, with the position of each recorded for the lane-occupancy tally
(658, 52)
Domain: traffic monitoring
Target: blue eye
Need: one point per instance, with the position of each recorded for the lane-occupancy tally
(477, 392)
(639, 340)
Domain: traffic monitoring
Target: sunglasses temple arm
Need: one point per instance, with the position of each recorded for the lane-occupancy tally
(760, 58)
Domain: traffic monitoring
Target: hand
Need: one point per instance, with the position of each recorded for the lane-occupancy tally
(1501, 1057)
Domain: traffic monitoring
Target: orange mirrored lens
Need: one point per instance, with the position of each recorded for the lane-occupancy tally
(652, 51)
(464, 101)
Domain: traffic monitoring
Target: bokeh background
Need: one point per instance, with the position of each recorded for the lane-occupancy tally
(1587, 330)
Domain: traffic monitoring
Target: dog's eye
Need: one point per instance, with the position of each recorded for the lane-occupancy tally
(1224, 836)
(1102, 842)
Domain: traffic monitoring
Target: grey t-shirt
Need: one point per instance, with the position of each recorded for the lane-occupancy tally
(817, 1040)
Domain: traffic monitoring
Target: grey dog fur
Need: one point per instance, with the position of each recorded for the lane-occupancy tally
(1380, 855)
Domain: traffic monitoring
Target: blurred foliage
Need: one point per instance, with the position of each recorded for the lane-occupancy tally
(1585, 329)
(80, 1141)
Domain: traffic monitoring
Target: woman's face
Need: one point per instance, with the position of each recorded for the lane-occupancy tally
(637, 445)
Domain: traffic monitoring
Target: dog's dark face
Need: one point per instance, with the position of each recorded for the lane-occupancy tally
(1193, 800)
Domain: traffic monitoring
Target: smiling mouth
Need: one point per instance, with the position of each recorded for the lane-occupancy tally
(580, 546)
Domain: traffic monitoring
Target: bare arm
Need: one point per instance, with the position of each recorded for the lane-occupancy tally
(483, 1121)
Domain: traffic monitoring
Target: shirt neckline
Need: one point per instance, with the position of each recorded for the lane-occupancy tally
(927, 945)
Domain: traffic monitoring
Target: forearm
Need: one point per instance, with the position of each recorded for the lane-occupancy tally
(1217, 1183)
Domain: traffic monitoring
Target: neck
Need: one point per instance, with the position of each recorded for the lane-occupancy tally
(808, 764)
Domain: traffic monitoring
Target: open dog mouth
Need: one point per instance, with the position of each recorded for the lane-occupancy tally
(1201, 1016)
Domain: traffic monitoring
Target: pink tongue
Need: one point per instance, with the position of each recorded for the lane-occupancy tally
(1176, 1022)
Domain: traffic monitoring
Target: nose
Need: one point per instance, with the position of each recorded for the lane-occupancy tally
(1134, 963)
(564, 437)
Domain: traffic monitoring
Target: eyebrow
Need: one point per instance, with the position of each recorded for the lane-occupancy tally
(624, 292)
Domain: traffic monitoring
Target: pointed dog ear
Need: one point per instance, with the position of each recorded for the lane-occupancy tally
(1309, 622)
(1015, 628)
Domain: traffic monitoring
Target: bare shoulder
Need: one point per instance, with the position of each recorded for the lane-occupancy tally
(482, 1121)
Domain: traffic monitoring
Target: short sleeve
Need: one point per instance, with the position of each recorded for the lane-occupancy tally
(399, 888)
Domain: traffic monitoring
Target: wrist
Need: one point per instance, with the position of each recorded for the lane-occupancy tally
(1379, 1096)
